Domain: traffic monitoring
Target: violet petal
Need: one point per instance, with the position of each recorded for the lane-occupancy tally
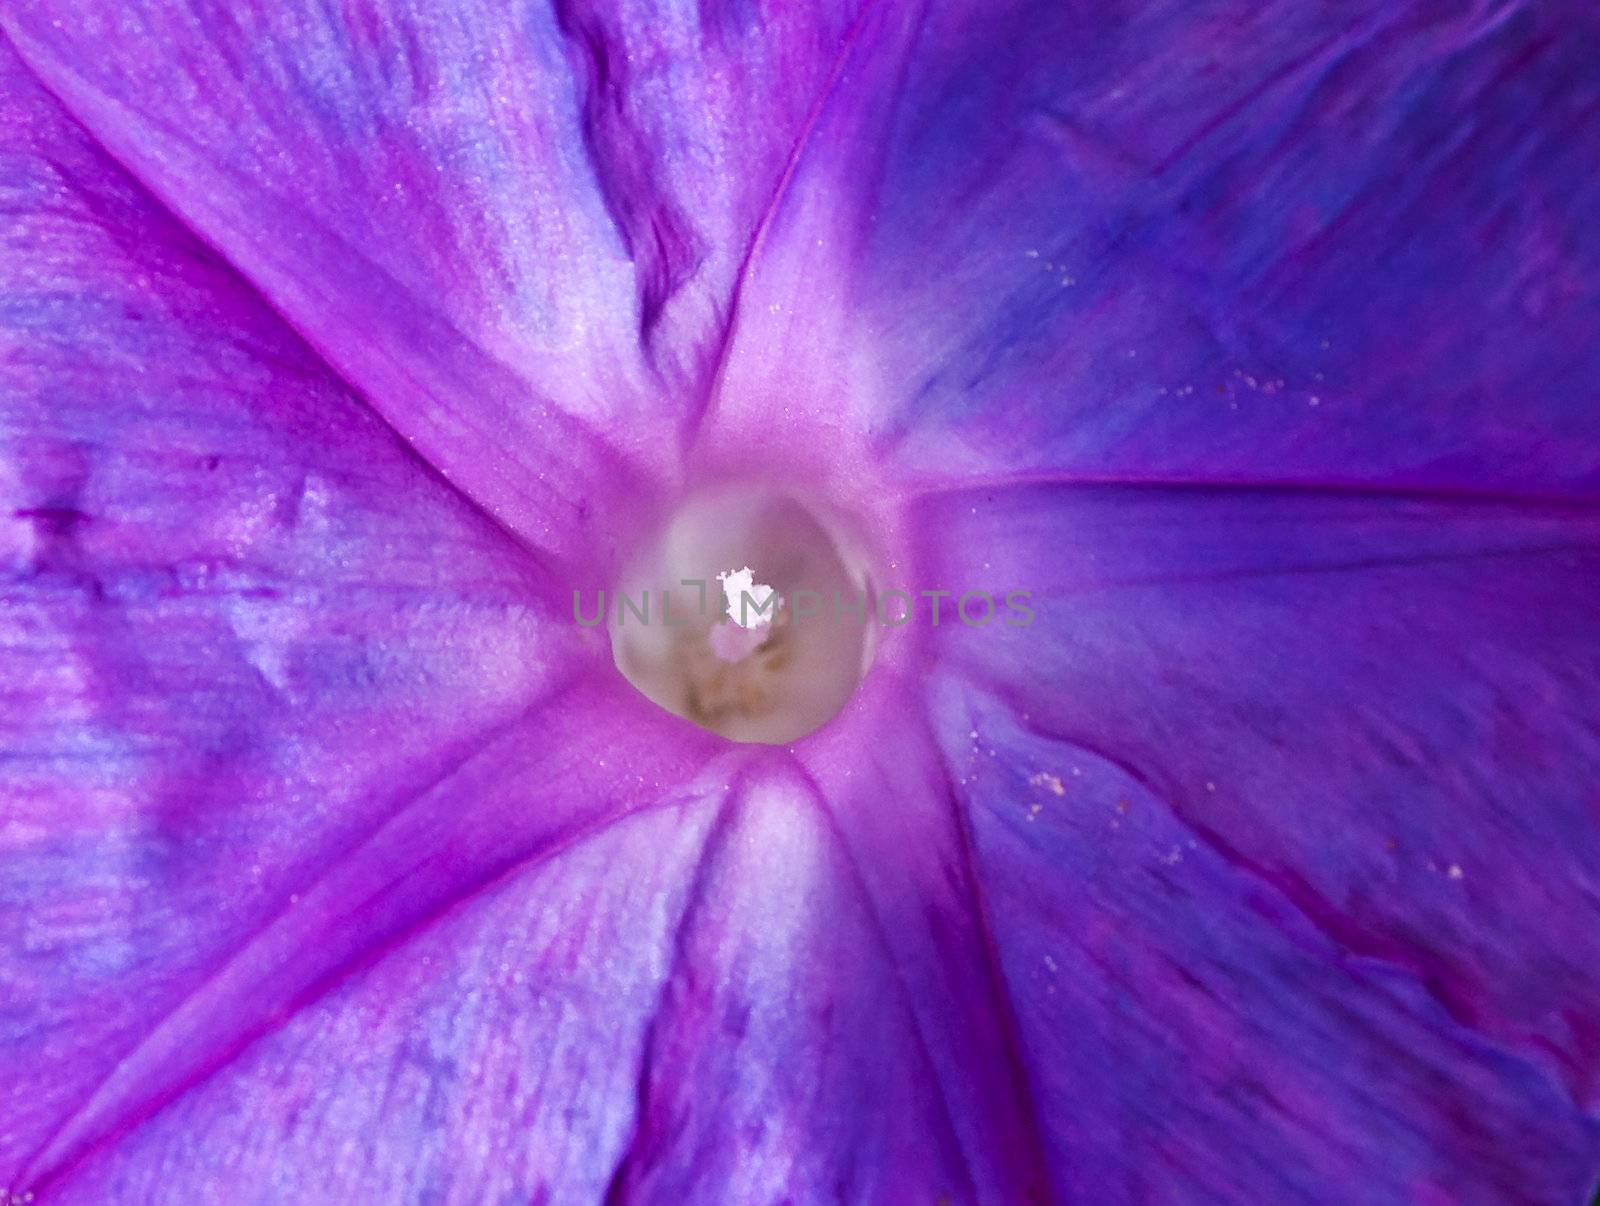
(1373, 707)
(241, 625)
(491, 1055)
(1192, 1032)
(1222, 242)
(514, 231)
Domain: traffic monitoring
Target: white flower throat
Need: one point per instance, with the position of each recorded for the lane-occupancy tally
(728, 617)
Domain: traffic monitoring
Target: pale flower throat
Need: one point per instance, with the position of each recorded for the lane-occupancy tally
(739, 616)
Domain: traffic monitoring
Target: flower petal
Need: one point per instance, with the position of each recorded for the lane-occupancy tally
(1193, 1036)
(1234, 241)
(240, 624)
(493, 1056)
(803, 380)
(515, 230)
(898, 821)
(534, 789)
(1218, 241)
(1381, 709)
(692, 1002)
(694, 115)
(786, 1062)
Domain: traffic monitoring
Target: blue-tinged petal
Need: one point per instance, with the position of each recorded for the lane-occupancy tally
(878, 773)
(584, 758)
(514, 229)
(240, 624)
(494, 1056)
(804, 379)
(1235, 241)
(1381, 709)
(1197, 241)
(692, 1004)
(1193, 1035)
(786, 1062)
(694, 115)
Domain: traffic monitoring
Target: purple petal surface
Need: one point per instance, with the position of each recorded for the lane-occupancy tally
(242, 627)
(1257, 864)
(1372, 710)
(515, 231)
(1194, 1035)
(492, 1054)
(781, 1010)
(1223, 241)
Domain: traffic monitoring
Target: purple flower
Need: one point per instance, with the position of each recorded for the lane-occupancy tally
(1257, 344)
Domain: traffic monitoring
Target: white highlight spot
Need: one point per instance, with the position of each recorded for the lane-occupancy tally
(751, 613)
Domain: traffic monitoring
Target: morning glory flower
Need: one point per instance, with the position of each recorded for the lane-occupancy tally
(1241, 848)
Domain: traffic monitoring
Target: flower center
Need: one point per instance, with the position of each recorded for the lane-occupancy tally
(749, 614)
